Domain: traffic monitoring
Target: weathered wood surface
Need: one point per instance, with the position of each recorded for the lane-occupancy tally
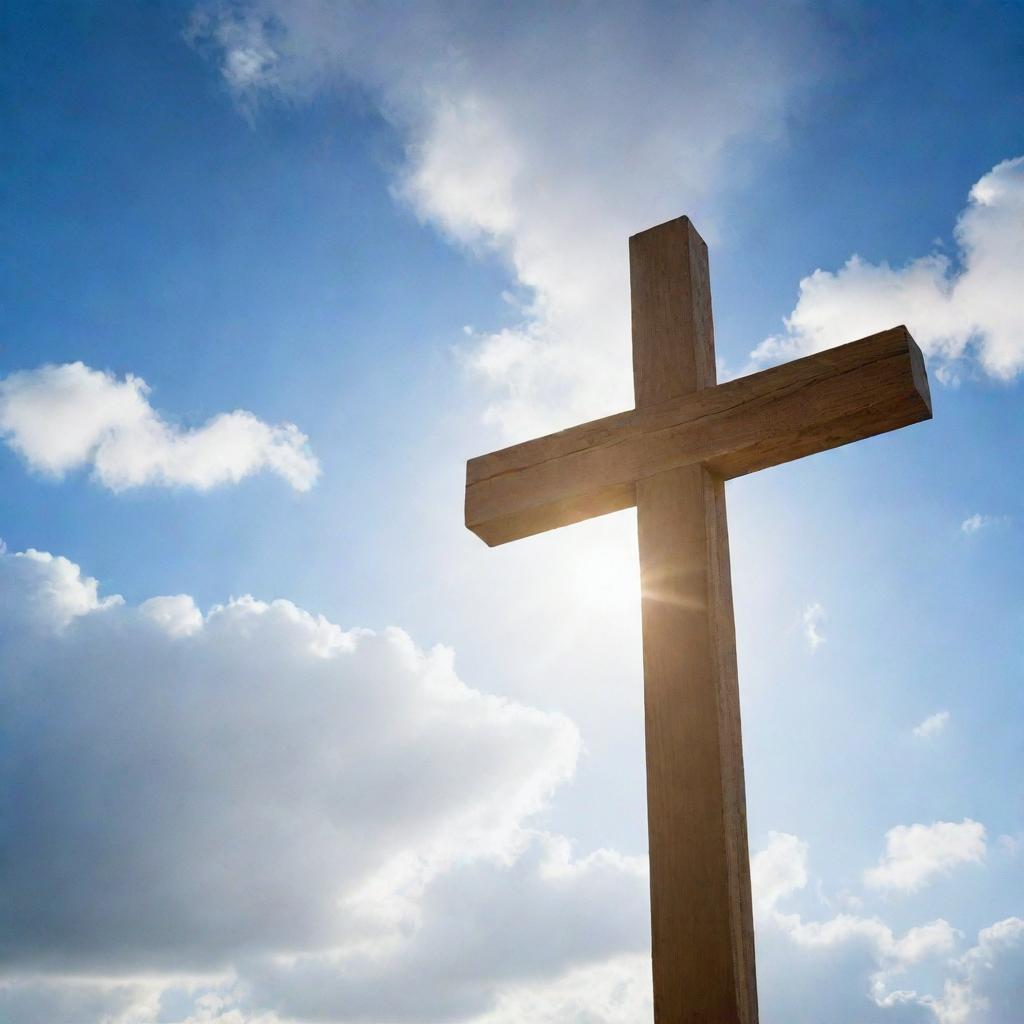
(701, 923)
(821, 401)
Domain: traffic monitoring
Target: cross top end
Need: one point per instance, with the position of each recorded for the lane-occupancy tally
(670, 294)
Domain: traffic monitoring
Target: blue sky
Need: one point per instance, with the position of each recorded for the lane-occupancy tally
(403, 231)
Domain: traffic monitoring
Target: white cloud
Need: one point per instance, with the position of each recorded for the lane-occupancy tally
(876, 955)
(612, 991)
(481, 929)
(62, 418)
(916, 855)
(813, 616)
(45, 1000)
(985, 986)
(53, 591)
(982, 986)
(969, 306)
(617, 991)
(933, 725)
(176, 614)
(893, 955)
(863, 957)
(979, 521)
(328, 824)
(524, 128)
(777, 871)
(972, 524)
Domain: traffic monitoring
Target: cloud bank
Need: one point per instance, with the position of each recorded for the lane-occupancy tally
(253, 816)
(955, 307)
(318, 823)
(63, 418)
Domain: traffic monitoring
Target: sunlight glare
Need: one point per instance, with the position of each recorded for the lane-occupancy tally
(601, 568)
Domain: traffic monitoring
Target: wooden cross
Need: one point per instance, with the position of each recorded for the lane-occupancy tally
(670, 457)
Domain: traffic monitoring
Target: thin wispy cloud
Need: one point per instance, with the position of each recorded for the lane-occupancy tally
(69, 417)
(979, 521)
(814, 615)
(1011, 845)
(933, 725)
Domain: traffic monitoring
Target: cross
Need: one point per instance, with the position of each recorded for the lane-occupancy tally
(670, 457)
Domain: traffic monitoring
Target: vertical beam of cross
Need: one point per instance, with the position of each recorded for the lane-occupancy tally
(701, 921)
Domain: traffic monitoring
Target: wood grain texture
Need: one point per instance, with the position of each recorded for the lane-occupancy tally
(670, 300)
(701, 924)
(821, 401)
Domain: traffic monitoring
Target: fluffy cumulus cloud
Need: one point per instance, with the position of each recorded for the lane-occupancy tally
(916, 855)
(253, 816)
(955, 308)
(63, 418)
(546, 134)
(278, 818)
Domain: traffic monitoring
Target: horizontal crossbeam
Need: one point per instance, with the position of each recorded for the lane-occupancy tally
(812, 404)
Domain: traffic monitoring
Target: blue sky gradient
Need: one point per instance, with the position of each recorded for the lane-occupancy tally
(244, 236)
